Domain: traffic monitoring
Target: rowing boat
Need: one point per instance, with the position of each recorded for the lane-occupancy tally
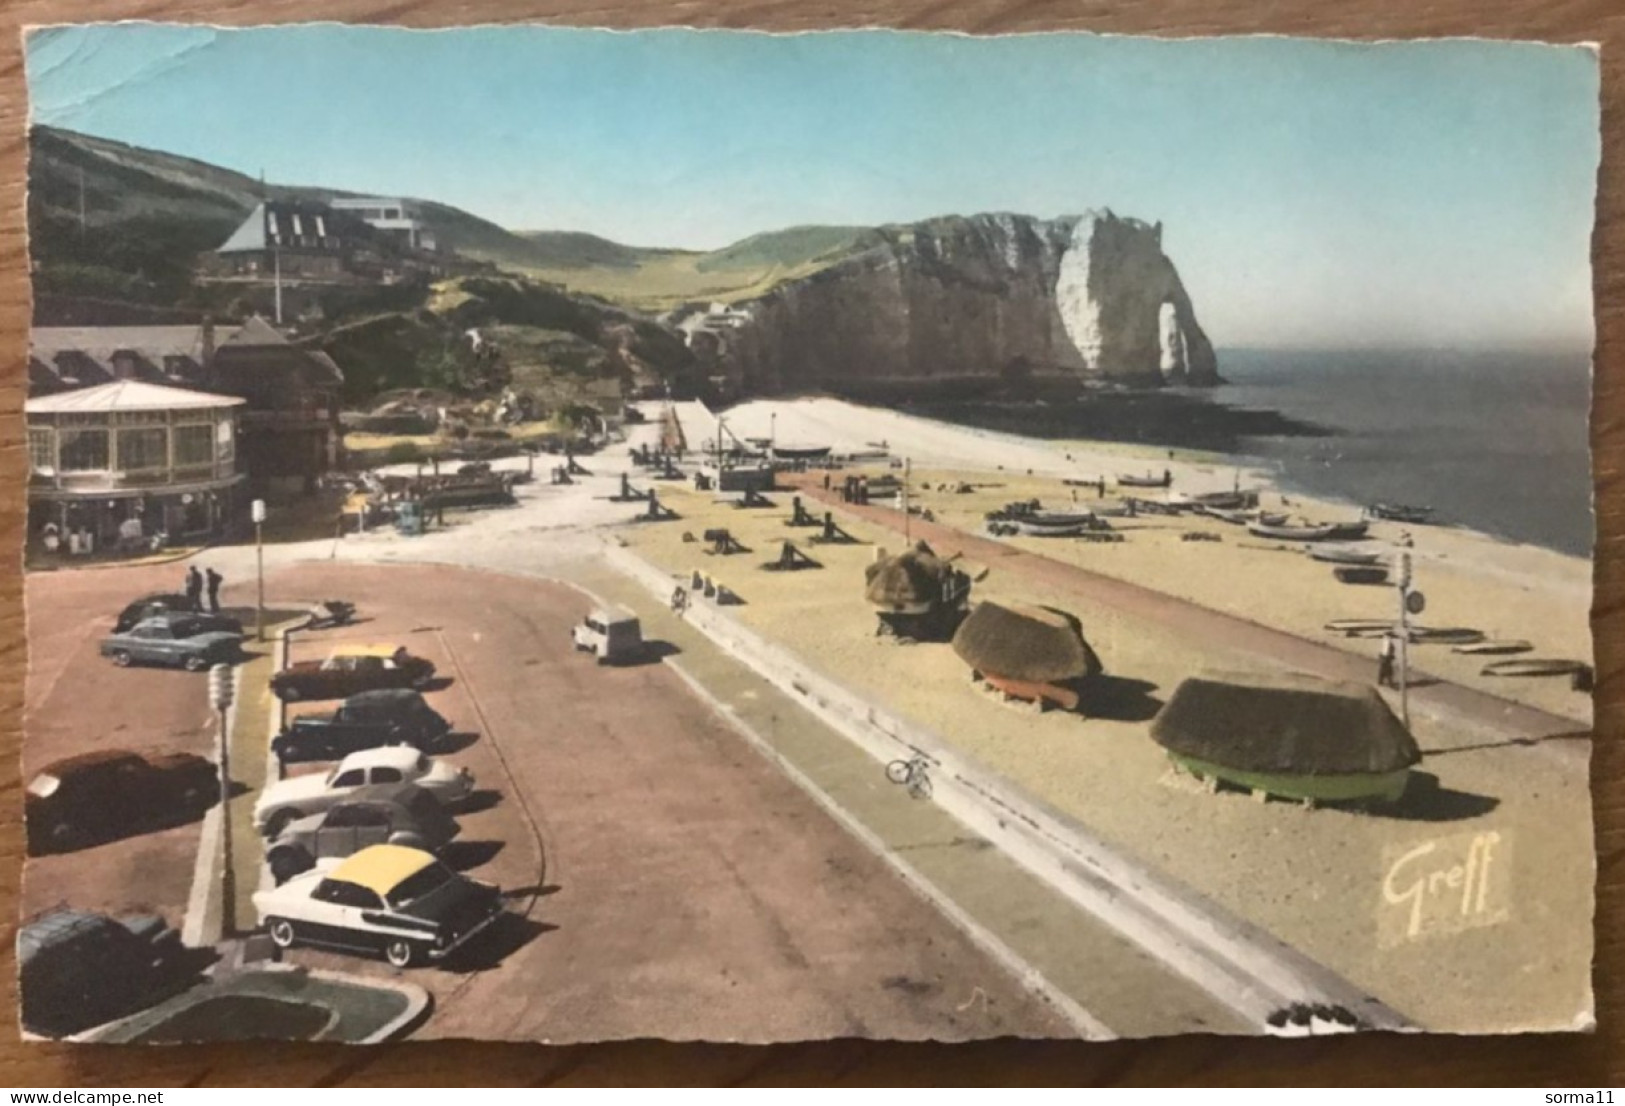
(1346, 555)
(1494, 646)
(1534, 666)
(1292, 533)
(1127, 480)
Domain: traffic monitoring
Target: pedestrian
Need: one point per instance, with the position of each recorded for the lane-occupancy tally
(213, 580)
(194, 589)
(1385, 662)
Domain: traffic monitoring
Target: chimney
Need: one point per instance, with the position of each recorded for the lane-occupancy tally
(208, 341)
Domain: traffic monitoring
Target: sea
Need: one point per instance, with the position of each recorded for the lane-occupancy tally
(1497, 442)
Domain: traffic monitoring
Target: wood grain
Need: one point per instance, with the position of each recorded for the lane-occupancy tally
(1591, 1059)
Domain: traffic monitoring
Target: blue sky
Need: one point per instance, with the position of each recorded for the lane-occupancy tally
(1312, 194)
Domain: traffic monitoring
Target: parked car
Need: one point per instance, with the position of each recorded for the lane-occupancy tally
(349, 669)
(152, 606)
(108, 794)
(394, 716)
(611, 634)
(386, 813)
(198, 623)
(77, 969)
(286, 801)
(386, 898)
(178, 643)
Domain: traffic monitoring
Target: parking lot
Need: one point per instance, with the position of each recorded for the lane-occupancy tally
(663, 879)
(79, 702)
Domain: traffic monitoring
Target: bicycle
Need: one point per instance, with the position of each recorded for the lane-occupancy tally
(911, 773)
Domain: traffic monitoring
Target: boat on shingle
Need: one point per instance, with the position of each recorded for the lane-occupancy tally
(1289, 736)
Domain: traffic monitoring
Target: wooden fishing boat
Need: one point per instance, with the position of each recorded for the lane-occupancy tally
(1233, 516)
(1031, 691)
(801, 452)
(1350, 531)
(1128, 480)
(1058, 518)
(1361, 574)
(1360, 627)
(1494, 646)
(1227, 501)
(1446, 635)
(1534, 666)
(1031, 529)
(1291, 533)
(1400, 512)
(1345, 555)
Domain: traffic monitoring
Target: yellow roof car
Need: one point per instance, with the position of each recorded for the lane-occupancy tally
(385, 899)
(381, 868)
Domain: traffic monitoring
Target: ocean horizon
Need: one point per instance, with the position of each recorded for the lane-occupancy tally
(1495, 441)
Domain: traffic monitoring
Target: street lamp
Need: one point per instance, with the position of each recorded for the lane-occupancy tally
(221, 692)
(1410, 602)
(257, 512)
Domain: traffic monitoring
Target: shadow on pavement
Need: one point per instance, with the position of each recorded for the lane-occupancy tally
(454, 742)
(482, 800)
(462, 855)
(507, 935)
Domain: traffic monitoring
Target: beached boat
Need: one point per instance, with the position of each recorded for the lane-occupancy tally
(1494, 646)
(1291, 533)
(1028, 528)
(1447, 635)
(1535, 666)
(801, 452)
(1227, 501)
(1058, 518)
(1346, 555)
(1128, 480)
(1360, 627)
(1350, 531)
(1399, 512)
(1287, 736)
(1235, 517)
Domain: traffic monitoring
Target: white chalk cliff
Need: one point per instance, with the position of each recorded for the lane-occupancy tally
(962, 301)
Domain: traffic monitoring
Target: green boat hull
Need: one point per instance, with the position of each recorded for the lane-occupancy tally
(1354, 787)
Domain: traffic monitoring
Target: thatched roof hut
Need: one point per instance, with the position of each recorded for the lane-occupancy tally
(909, 583)
(1284, 724)
(1038, 645)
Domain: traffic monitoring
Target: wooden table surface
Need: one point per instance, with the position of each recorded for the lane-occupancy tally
(1570, 1060)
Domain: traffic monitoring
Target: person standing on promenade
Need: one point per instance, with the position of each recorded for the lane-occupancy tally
(194, 590)
(1385, 662)
(213, 580)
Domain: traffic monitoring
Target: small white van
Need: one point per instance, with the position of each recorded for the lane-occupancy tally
(613, 634)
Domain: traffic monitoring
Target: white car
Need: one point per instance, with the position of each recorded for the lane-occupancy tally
(288, 800)
(399, 901)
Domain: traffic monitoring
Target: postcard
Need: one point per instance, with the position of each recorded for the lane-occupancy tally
(564, 535)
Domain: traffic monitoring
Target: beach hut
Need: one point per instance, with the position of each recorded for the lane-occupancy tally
(1287, 735)
(1034, 654)
(916, 594)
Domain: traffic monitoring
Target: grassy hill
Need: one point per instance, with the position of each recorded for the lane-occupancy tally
(658, 280)
(148, 214)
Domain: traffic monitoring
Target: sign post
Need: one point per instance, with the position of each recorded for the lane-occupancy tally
(1407, 601)
(221, 693)
(258, 514)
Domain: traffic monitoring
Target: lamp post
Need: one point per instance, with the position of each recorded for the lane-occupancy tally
(257, 512)
(221, 692)
(1407, 600)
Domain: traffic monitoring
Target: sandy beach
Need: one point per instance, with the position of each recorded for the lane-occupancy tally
(1323, 880)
